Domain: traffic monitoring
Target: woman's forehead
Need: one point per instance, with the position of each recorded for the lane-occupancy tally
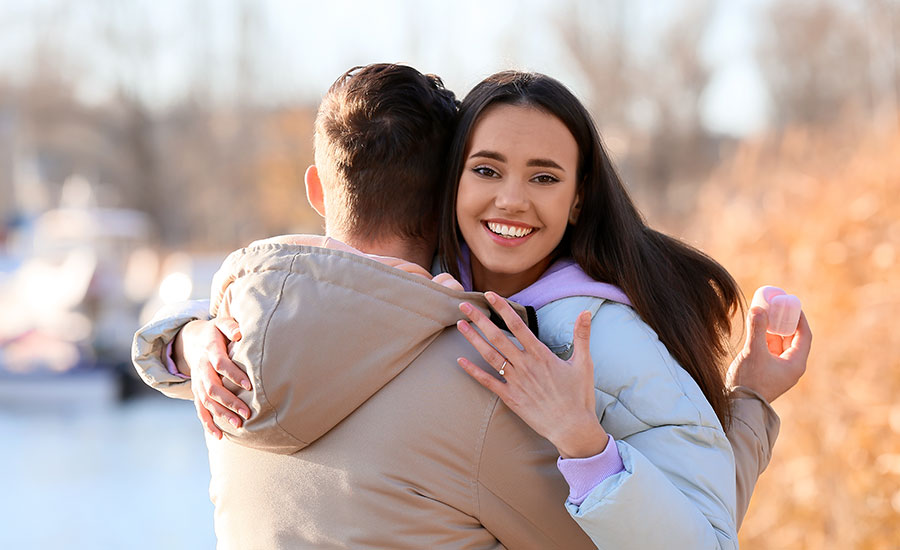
(522, 131)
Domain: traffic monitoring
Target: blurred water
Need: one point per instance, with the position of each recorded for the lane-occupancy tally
(133, 475)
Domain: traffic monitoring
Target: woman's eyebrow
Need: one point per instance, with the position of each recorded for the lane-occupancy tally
(544, 163)
(541, 163)
(489, 154)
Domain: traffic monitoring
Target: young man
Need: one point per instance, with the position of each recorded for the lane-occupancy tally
(351, 364)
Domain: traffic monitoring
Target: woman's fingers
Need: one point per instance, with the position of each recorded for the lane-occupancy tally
(775, 344)
(801, 343)
(514, 323)
(210, 387)
(802, 339)
(491, 332)
(231, 402)
(499, 339)
(757, 321)
(481, 376)
(229, 328)
(217, 409)
(494, 358)
(217, 355)
(206, 419)
(447, 280)
(581, 344)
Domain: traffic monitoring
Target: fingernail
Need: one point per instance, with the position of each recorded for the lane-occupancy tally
(236, 335)
(462, 325)
(246, 385)
(491, 297)
(465, 307)
(234, 422)
(245, 413)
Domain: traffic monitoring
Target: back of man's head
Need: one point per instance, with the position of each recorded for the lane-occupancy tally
(381, 139)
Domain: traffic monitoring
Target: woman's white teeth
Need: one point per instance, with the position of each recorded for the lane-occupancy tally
(508, 230)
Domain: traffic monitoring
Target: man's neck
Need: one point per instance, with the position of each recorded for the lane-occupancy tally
(419, 252)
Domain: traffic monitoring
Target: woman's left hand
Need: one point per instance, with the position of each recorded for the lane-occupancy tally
(553, 396)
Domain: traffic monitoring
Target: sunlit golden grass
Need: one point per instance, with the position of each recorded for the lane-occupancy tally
(821, 217)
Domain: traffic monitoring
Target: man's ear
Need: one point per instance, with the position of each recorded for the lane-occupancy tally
(314, 193)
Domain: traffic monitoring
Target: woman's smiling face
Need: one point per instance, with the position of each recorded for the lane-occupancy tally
(516, 193)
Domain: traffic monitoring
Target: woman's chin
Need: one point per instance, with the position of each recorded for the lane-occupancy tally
(513, 271)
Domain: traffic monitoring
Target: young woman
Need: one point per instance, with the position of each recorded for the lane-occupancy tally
(534, 211)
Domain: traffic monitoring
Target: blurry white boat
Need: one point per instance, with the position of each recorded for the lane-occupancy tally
(70, 308)
(72, 283)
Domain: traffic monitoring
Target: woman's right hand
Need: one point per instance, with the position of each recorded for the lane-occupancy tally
(770, 364)
(201, 352)
(553, 396)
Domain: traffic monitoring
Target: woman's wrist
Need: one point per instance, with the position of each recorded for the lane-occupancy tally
(582, 439)
(178, 352)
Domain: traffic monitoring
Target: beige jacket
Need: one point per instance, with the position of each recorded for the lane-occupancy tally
(383, 441)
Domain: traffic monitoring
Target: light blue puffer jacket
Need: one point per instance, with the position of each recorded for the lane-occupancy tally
(678, 487)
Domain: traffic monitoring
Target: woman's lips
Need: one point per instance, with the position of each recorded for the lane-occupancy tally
(508, 241)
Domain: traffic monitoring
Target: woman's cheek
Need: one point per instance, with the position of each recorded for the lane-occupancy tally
(466, 208)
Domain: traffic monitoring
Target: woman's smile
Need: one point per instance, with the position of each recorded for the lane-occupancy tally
(508, 233)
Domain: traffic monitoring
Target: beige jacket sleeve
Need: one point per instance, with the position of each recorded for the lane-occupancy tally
(754, 428)
(150, 346)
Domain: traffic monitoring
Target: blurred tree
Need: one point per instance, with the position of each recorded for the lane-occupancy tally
(646, 103)
(827, 62)
(681, 149)
(596, 37)
(285, 153)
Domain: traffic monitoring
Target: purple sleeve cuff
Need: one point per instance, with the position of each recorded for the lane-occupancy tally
(584, 474)
(170, 363)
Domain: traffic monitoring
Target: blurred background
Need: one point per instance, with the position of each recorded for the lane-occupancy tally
(141, 141)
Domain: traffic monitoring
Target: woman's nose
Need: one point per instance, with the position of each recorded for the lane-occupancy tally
(512, 197)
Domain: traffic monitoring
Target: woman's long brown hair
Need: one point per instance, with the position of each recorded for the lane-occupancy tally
(683, 294)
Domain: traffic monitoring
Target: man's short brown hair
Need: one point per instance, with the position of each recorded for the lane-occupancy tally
(381, 140)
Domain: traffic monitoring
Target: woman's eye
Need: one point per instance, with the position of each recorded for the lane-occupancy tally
(485, 171)
(545, 178)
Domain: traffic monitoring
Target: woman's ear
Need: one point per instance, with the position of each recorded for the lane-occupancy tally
(314, 192)
(575, 210)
